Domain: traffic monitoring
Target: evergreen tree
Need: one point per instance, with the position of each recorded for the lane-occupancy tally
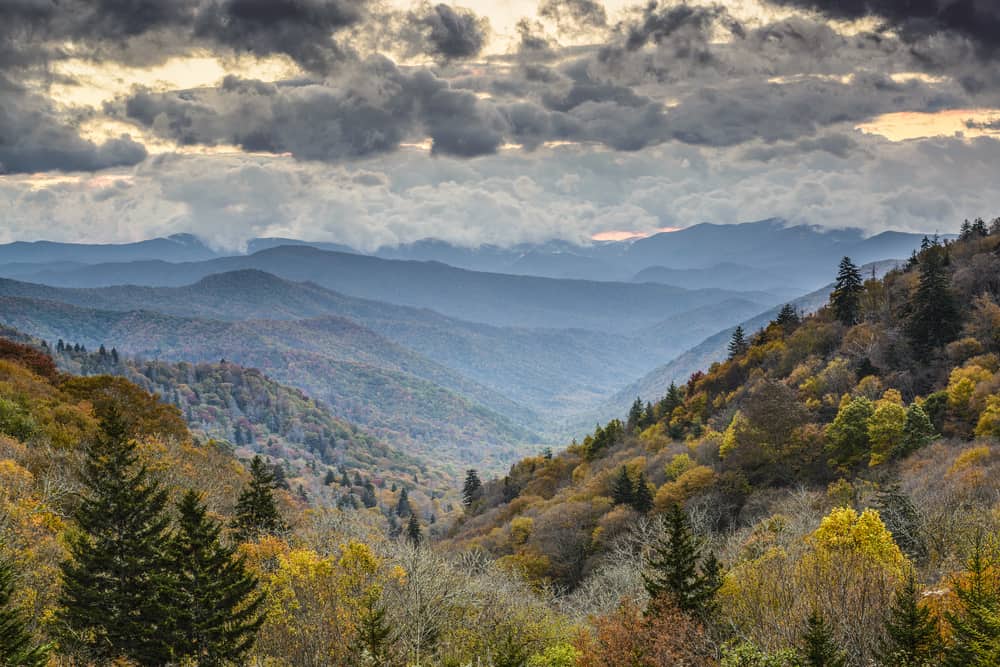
(737, 343)
(413, 532)
(933, 313)
(472, 490)
(901, 518)
(819, 649)
(975, 628)
(846, 297)
(218, 605)
(918, 431)
(787, 317)
(642, 497)
(117, 586)
(634, 415)
(403, 508)
(368, 497)
(344, 479)
(16, 646)
(373, 630)
(675, 570)
(329, 479)
(256, 512)
(621, 489)
(912, 637)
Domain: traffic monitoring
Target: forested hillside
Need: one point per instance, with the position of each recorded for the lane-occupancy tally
(824, 462)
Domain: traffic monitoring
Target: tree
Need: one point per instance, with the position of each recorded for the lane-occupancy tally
(256, 512)
(16, 646)
(675, 567)
(912, 636)
(975, 627)
(902, 519)
(217, 614)
(403, 507)
(473, 488)
(918, 431)
(373, 629)
(787, 318)
(413, 532)
(642, 497)
(846, 297)
(117, 586)
(847, 435)
(621, 489)
(934, 318)
(330, 478)
(737, 343)
(818, 645)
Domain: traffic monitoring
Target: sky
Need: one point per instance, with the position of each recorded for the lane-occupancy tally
(375, 123)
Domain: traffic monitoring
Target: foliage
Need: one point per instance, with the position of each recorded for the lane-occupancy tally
(17, 648)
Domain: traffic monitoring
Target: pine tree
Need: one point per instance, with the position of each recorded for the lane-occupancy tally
(934, 316)
(413, 532)
(901, 518)
(912, 637)
(16, 646)
(329, 479)
(819, 648)
(117, 587)
(787, 317)
(373, 629)
(403, 508)
(218, 605)
(737, 343)
(846, 297)
(472, 490)
(621, 489)
(634, 415)
(975, 629)
(368, 497)
(256, 512)
(674, 568)
(642, 497)
(918, 431)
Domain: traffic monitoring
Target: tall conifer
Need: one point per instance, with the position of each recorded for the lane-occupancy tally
(117, 586)
(256, 512)
(846, 297)
(675, 567)
(16, 646)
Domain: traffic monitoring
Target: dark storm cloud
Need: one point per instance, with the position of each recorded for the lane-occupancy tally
(453, 32)
(977, 20)
(302, 29)
(371, 110)
(662, 22)
(34, 138)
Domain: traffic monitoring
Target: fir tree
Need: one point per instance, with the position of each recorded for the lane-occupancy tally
(256, 512)
(117, 587)
(934, 316)
(16, 646)
(901, 518)
(344, 479)
(472, 490)
(787, 317)
(621, 489)
(975, 628)
(675, 570)
(634, 415)
(218, 606)
(413, 532)
(373, 630)
(846, 297)
(819, 649)
(642, 497)
(918, 431)
(912, 637)
(368, 497)
(329, 479)
(737, 343)
(403, 508)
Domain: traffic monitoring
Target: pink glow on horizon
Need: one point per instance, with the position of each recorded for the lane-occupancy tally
(623, 235)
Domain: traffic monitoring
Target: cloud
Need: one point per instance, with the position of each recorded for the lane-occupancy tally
(976, 20)
(453, 32)
(574, 16)
(301, 29)
(34, 138)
